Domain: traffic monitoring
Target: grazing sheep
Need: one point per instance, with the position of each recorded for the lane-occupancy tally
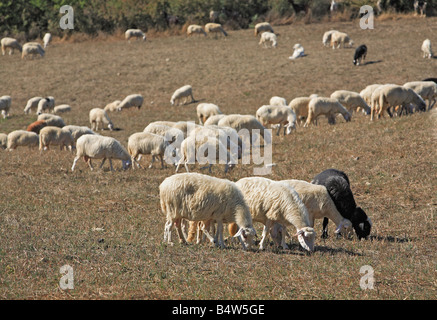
(134, 33)
(52, 120)
(62, 108)
(326, 40)
(298, 52)
(32, 48)
(215, 28)
(183, 92)
(147, 143)
(366, 93)
(45, 104)
(5, 105)
(420, 7)
(46, 40)
(273, 201)
(214, 120)
(340, 38)
(113, 106)
(194, 28)
(198, 197)
(282, 115)
(100, 117)
(206, 110)
(78, 131)
(50, 135)
(328, 107)
(300, 107)
(36, 126)
(174, 136)
(426, 89)
(338, 186)
(277, 101)
(426, 49)
(22, 138)
(248, 122)
(3, 140)
(266, 37)
(360, 54)
(131, 101)
(263, 26)
(11, 44)
(93, 146)
(32, 103)
(351, 100)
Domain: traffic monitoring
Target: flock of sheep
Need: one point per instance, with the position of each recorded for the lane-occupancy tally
(199, 203)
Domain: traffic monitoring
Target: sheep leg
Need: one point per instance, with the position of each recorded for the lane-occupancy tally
(110, 165)
(90, 164)
(266, 229)
(219, 235)
(167, 231)
(153, 160)
(179, 230)
(162, 161)
(74, 163)
(325, 228)
(206, 233)
(103, 161)
(279, 129)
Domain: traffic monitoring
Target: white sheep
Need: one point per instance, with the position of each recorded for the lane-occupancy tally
(325, 106)
(426, 49)
(46, 39)
(198, 197)
(32, 103)
(99, 117)
(248, 122)
(215, 28)
(263, 26)
(277, 101)
(214, 120)
(194, 28)
(3, 140)
(93, 146)
(340, 38)
(174, 136)
(62, 108)
(326, 40)
(5, 105)
(426, 89)
(11, 44)
(45, 104)
(272, 201)
(366, 93)
(298, 52)
(52, 120)
(134, 33)
(141, 143)
(206, 110)
(50, 135)
(21, 138)
(32, 48)
(268, 37)
(131, 101)
(351, 100)
(183, 92)
(282, 115)
(300, 107)
(78, 131)
(113, 106)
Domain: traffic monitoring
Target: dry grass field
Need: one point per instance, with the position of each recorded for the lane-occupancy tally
(108, 226)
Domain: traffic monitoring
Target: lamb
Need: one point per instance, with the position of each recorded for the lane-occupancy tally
(11, 44)
(214, 120)
(206, 110)
(78, 131)
(147, 143)
(266, 37)
(51, 135)
(215, 27)
(45, 104)
(62, 108)
(36, 126)
(282, 115)
(426, 49)
(131, 101)
(326, 40)
(272, 201)
(277, 101)
(338, 187)
(340, 38)
(426, 89)
(3, 140)
(93, 146)
(32, 48)
(183, 92)
(136, 33)
(100, 117)
(194, 28)
(351, 100)
(248, 122)
(360, 54)
(328, 107)
(198, 197)
(263, 26)
(32, 103)
(52, 120)
(46, 40)
(298, 52)
(5, 105)
(21, 138)
(113, 106)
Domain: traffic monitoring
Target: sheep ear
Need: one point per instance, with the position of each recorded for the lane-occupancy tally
(239, 233)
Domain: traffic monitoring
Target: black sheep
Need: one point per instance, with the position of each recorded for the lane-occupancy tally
(338, 186)
(360, 54)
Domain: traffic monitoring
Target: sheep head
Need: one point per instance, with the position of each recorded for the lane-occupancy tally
(247, 235)
(306, 237)
(361, 223)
